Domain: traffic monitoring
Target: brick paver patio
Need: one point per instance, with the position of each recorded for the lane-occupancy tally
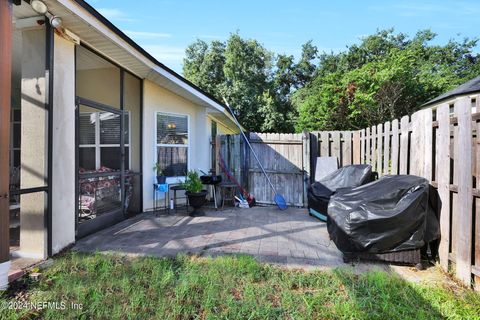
(288, 237)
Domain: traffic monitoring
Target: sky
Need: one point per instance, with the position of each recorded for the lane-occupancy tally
(166, 27)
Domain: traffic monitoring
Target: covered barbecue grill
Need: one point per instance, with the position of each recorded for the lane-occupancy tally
(391, 215)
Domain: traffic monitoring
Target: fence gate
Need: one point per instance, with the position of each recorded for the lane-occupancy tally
(285, 158)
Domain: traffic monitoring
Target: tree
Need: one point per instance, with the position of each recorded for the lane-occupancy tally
(386, 76)
(256, 83)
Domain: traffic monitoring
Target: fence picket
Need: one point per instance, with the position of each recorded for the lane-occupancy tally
(417, 158)
(373, 152)
(428, 144)
(404, 126)
(362, 146)
(356, 147)
(443, 180)
(395, 147)
(367, 147)
(380, 149)
(335, 150)
(386, 148)
(324, 144)
(347, 148)
(464, 167)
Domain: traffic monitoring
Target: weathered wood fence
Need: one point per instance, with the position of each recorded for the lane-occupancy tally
(441, 144)
(285, 158)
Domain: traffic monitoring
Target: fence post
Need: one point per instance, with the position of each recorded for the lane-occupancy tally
(443, 180)
(464, 213)
(306, 165)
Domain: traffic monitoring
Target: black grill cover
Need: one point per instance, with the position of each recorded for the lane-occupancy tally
(320, 192)
(392, 214)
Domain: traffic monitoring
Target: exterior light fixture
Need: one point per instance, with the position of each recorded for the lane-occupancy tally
(56, 22)
(39, 7)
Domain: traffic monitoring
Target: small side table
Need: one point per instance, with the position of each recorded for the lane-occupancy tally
(228, 190)
(160, 188)
(175, 188)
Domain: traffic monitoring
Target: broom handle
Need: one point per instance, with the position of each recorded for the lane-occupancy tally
(250, 146)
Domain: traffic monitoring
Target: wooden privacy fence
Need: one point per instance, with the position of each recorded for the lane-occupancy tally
(441, 144)
(285, 158)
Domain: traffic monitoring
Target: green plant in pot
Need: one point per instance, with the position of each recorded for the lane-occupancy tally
(161, 178)
(195, 193)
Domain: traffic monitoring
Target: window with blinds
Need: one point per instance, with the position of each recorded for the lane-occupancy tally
(172, 144)
(99, 140)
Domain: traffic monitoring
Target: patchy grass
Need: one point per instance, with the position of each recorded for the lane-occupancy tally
(231, 287)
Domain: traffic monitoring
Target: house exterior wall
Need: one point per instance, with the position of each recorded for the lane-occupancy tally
(63, 144)
(158, 99)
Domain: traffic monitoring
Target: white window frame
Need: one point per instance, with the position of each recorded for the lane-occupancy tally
(156, 145)
(97, 145)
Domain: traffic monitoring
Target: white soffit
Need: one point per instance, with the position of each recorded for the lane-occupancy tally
(97, 35)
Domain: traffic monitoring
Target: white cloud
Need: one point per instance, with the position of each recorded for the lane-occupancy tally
(171, 56)
(114, 14)
(147, 35)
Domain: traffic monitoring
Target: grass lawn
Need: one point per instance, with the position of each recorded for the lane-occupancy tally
(232, 287)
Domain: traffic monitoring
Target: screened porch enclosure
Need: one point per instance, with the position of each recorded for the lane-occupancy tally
(108, 113)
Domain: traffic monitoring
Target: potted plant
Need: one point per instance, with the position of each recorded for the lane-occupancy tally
(161, 178)
(193, 190)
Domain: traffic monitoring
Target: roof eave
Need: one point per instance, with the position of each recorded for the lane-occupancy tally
(209, 99)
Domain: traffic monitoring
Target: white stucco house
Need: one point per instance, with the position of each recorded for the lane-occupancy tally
(90, 114)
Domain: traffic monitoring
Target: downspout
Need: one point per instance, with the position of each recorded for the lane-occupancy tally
(5, 101)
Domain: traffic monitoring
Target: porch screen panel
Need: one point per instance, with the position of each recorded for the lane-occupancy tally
(172, 144)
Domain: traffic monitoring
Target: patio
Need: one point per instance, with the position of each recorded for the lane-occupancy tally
(288, 238)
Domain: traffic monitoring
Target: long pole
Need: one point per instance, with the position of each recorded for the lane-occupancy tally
(5, 96)
(249, 145)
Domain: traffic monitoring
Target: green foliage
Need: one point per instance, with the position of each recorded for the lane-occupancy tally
(228, 287)
(255, 82)
(386, 76)
(192, 183)
(158, 168)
